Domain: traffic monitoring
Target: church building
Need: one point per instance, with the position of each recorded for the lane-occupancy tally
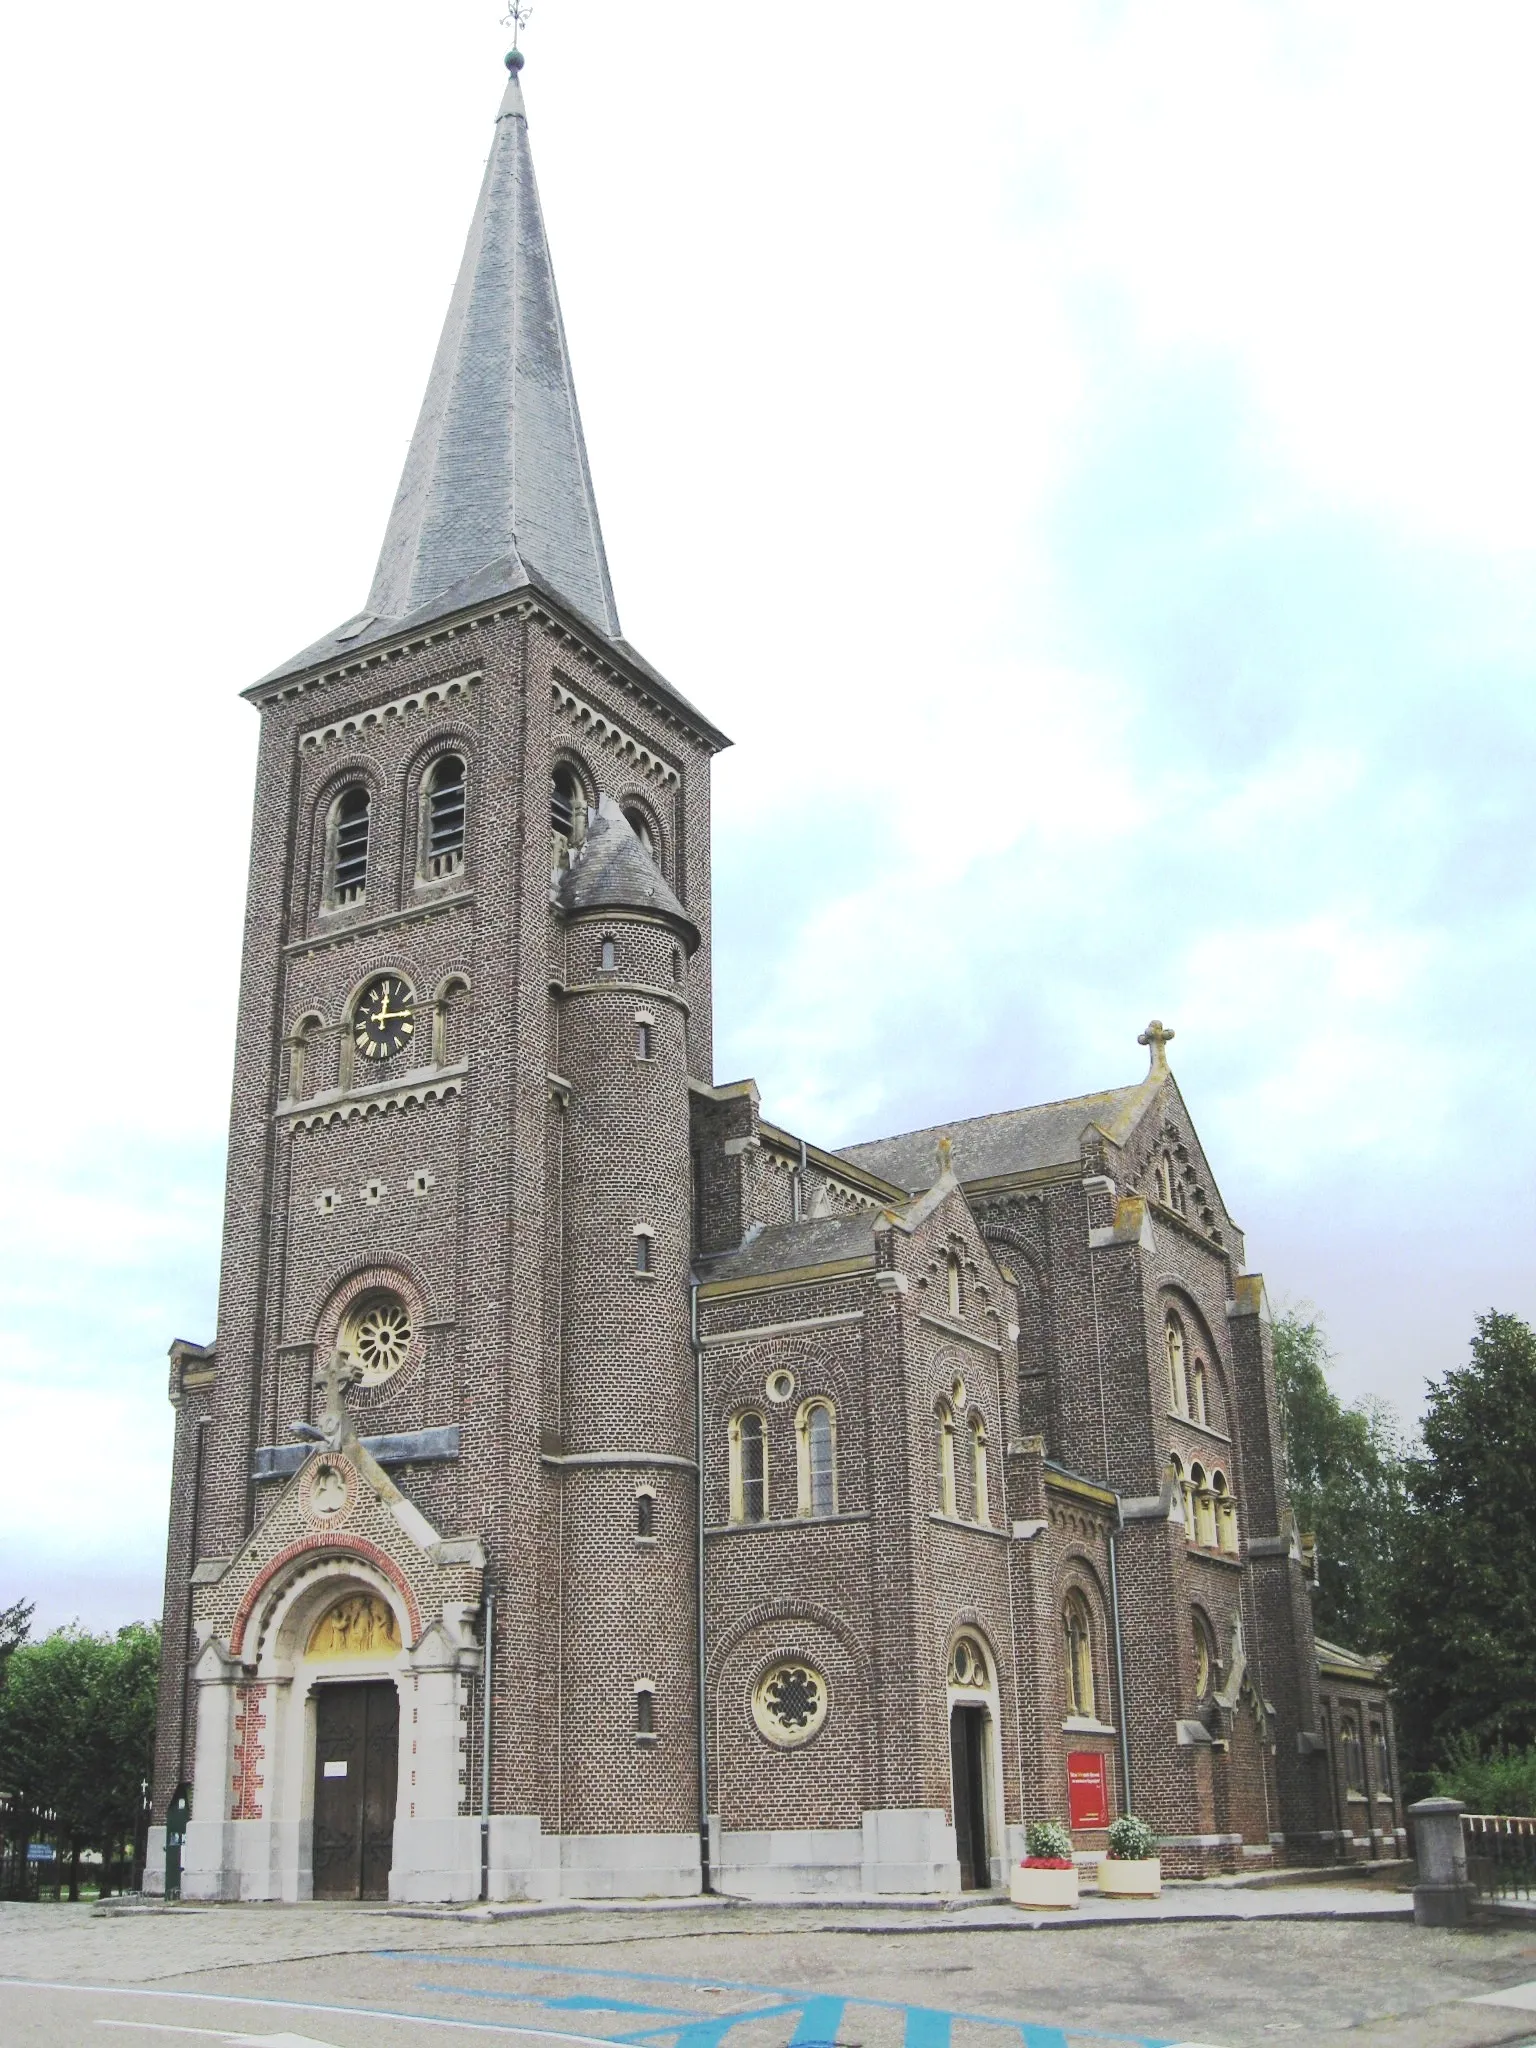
(594, 1488)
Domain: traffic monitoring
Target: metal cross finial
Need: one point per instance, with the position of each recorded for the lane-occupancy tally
(1156, 1038)
(517, 17)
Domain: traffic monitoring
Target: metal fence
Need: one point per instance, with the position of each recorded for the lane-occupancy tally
(1501, 1854)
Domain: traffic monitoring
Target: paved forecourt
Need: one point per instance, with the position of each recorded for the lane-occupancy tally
(751, 1978)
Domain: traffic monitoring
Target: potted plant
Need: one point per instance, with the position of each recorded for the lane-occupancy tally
(1047, 1877)
(1132, 1869)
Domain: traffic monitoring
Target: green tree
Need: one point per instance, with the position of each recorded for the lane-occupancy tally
(1463, 1608)
(77, 1734)
(1345, 1469)
(15, 1627)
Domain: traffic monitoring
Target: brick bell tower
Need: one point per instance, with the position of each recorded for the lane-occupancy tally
(452, 1373)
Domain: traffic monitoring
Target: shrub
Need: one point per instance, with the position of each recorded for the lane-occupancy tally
(1131, 1840)
(1048, 1842)
(1495, 1780)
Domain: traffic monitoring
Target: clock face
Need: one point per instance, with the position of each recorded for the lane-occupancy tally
(385, 1018)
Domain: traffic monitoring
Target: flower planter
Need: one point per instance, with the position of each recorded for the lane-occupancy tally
(1120, 1878)
(1043, 1890)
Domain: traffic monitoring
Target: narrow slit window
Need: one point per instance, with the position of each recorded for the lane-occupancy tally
(446, 811)
(754, 1468)
(645, 1515)
(349, 871)
(643, 1044)
(609, 956)
(645, 1252)
(821, 1460)
(645, 1712)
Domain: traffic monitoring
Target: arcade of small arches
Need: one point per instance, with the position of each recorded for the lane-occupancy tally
(750, 1477)
(440, 837)
(436, 1030)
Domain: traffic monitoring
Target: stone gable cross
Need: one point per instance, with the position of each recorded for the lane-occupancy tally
(1156, 1038)
(333, 1380)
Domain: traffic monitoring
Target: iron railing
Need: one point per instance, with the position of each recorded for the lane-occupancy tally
(1501, 1854)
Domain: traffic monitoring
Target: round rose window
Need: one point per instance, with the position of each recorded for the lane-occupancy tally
(790, 1704)
(377, 1333)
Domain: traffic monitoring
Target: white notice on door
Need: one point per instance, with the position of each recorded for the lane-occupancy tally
(336, 1770)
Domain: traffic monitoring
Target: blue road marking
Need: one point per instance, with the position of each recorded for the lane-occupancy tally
(820, 2015)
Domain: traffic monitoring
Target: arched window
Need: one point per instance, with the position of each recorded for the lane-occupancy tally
(749, 1469)
(1381, 1754)
(1197, 1394)
(1354, 1753)
(448, 1021)
(817, 1429)
(567, 813)
(642, 828)
(1185, 1495)
(954, 1278)
(1078, 1630)
(645, 1516)
(944, 1437)
(1204, 1531)
(347, 847)
(1173, 1342)
(444, 811)
(300, 1043)
(981, 1500)
(645, 1711)
(1205, 1658)
(1223, 1515)
(1165, 1180)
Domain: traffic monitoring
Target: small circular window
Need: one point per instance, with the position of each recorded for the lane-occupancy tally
(377, 1333)
(790, 1704)
(780, 1387)
(968, 1663)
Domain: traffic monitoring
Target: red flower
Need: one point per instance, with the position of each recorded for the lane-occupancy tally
(1049, 1863)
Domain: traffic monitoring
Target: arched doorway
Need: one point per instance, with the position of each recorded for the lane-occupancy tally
(972, 1698)
(357, 1747)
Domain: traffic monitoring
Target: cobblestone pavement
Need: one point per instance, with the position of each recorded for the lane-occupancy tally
(747, 1977)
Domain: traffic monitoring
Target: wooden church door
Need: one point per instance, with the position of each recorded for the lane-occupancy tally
(357, 1749)
(967, 1753)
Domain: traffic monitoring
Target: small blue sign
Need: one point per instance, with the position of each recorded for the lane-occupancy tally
(41, 1852)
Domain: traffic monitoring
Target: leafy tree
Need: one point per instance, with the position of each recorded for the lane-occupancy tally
(1463, 1630)
(1500, 1781)
(15, 1627)
(77, 1734)
(1345, 1469)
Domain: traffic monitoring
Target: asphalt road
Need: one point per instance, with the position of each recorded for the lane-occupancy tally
(338, 1977)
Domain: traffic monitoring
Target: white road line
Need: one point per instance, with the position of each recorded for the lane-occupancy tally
(1521, 1996)
(346, 2012)
(218, 2034)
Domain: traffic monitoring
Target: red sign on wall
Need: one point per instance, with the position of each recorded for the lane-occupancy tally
(1088, 1789)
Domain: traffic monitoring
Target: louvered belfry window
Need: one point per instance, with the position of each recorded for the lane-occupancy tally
(446, 794)
(349, 881)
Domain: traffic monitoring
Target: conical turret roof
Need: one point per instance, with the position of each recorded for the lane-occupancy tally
(613, 871)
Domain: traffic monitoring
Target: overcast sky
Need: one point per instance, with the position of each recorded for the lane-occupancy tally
(1081, 450)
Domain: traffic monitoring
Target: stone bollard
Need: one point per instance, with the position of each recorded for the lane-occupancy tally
(1442, 1897)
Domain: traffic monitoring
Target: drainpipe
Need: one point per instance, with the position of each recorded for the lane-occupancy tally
(485, 1745)
(702, 1706)
(1128, 1804)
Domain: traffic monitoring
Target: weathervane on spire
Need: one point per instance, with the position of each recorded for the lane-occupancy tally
(517, 17)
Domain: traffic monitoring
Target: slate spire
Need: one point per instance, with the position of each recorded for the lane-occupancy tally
(497, 469)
